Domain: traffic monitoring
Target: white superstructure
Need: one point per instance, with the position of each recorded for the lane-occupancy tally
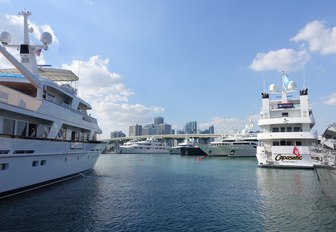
(148, 146)
(286, 119)
(46, 133)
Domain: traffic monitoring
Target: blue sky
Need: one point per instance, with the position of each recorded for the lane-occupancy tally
(186, 60)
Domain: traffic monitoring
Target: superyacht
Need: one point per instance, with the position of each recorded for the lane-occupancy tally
(176, 150)
(242, 144)
(286, 119)
(46, 133)
(148, 146)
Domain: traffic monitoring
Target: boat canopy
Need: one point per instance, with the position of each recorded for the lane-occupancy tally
(53, 74)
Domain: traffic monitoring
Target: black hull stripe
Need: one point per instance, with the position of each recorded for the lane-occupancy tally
(14, 192)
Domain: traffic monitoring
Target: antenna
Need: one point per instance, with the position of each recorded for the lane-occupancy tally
(264, 84)
(304, 77)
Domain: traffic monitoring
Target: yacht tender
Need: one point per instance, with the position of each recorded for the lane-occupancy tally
(46, 134)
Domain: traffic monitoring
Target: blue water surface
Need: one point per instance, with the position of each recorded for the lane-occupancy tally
(173, 193)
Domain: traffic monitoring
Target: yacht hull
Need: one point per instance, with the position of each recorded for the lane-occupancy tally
(229, 151)
(144, 151)
(28, 163)
(327, 178)
(282, 157)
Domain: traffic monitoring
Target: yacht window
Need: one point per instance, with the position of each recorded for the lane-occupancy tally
(275, 129)
(282, 142)
(32, 130)
(275, 143)
(296, 129)
(288, 143)
(8, 126)
(298, 143)
(43, 162)
(289, 129)
(66, 105)
(285, 114)
(35, 163)
(4, 166)
(73, 135)
(283, 129)
(50, 97)
(21, 128)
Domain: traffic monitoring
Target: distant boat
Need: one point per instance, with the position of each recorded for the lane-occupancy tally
(149, 146)
(46, 133)
(326, 168)
(176, 150)
(242, 144)
(286, 119)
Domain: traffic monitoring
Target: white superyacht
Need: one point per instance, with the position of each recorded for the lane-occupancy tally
(286, 119)
(148, 146)
(242, 144)
(46, 133)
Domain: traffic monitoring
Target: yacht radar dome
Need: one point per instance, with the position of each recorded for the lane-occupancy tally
(5, 37)
(46, 38)
(291, 85)
(272, 88)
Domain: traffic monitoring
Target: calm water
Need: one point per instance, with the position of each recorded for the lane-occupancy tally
(173, 193)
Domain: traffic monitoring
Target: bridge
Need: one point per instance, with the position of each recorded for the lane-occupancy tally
(166, 136)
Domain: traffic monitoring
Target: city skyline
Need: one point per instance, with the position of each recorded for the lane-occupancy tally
(160, 127)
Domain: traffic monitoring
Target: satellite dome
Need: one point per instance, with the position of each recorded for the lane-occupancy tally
(273, 88)
(5, 37)
(291, 85)
(46, 38)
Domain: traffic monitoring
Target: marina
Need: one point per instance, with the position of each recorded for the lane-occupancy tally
(68, 164)
(162, 192)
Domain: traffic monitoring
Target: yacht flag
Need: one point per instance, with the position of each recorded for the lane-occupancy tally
(296, 151)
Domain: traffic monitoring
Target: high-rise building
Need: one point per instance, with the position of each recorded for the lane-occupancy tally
(135, 130)
(211, 130)
(117, 134)
(164, 129)
(158, 120)
(150, 129)
(190, 127)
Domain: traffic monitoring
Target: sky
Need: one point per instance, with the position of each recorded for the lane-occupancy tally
(185, 60)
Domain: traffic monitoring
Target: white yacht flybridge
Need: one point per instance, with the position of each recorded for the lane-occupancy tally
(46, 134)
(286, 119)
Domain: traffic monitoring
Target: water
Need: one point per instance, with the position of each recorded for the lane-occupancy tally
(173, 193)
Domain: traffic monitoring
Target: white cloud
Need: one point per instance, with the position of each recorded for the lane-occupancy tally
(331, 100)
(283, 59)
(109, 97)
(318, 36)
(103, 89)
